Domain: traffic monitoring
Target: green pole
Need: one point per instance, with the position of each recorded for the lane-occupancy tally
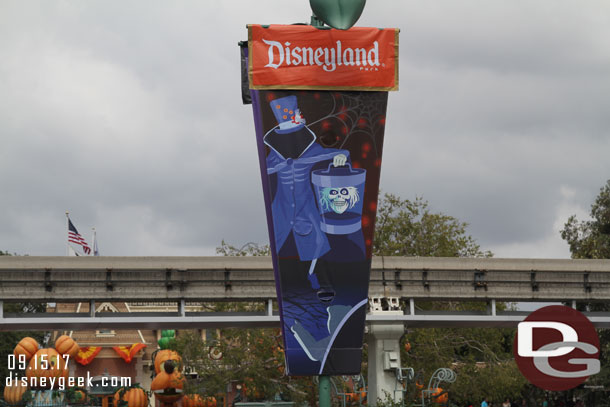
(324, 391)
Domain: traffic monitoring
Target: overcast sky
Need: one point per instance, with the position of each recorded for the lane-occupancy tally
(128, 114)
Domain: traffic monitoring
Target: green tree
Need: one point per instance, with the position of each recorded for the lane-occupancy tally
(482, 357)
(249, 249)
(590, 239)
(409, 228)
(252, 358)
(8, 340)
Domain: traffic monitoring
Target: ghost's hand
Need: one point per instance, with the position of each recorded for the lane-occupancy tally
(339, 160)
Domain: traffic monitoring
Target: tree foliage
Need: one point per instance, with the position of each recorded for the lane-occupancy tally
(252, 358)
(590, 239)
(409, 228)
(249, 249)
(481, 357)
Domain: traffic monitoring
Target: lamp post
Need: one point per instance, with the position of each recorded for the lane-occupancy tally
(324, 391)
(319, 100)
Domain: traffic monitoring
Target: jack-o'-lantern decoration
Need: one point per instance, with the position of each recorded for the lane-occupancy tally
(133, 396)
(439, 396)
(14, 394)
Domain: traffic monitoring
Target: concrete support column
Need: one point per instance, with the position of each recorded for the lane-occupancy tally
(384, 358)
(182, 307)
(491, 308)
(270, 307)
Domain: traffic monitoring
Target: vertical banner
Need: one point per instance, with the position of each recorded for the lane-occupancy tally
(320, 147)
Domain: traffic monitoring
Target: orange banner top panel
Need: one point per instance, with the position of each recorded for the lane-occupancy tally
(305, 57)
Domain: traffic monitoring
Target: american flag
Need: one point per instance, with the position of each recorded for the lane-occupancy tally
(75, 237)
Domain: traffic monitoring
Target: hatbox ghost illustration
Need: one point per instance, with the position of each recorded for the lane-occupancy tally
(316, 206)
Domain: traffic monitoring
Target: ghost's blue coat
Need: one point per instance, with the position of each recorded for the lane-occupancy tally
(294, 205)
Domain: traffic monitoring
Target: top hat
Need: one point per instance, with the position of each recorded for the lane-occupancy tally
(287, 114)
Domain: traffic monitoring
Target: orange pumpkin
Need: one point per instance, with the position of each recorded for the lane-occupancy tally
(46, 363)
(195, 400)
(135, 397)
(192, 400)
(13, 395)
(66, 346)
(351, 397)
(168, 386)
(164, 355)
(27, 346)
(440, 398)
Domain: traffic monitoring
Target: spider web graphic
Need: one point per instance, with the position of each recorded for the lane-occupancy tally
(352, 115)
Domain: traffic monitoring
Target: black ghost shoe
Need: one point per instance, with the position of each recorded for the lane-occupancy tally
(326, 295)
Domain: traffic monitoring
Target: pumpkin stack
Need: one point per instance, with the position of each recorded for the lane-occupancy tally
(168, 384)
(46, 368)
(46, 363)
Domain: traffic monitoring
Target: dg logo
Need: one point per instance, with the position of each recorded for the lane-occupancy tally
(557, 348)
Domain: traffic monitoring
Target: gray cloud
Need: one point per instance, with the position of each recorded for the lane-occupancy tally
(130, 117)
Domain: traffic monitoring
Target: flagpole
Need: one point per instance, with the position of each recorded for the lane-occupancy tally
(94, 249)
(67, 228)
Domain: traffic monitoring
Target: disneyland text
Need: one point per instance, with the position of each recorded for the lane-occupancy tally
(327, 58)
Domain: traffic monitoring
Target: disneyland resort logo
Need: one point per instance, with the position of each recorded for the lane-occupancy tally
(51, 373)
(327, 58)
